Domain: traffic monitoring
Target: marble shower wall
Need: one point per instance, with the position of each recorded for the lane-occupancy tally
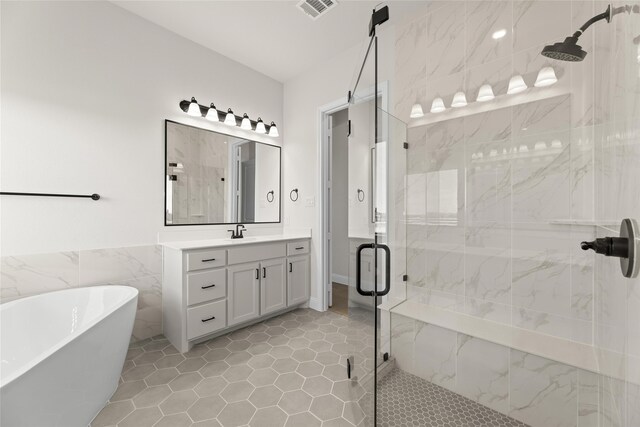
(529, 388)
(494, 198)
(137, 266)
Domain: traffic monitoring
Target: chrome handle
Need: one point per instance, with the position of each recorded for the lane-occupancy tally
(209, 319)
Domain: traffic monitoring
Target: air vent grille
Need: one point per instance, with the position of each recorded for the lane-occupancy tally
(316, 8)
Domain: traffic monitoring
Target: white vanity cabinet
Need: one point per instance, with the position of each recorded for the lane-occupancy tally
(212, 287)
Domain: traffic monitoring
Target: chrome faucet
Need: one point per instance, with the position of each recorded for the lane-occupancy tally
(237, 234)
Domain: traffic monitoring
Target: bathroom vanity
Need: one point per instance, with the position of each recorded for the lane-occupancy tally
(210, 287)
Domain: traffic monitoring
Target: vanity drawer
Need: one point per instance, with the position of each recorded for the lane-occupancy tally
(206, 286)
(206, 318)
(250, 253)
(298, 248)
(209, 258)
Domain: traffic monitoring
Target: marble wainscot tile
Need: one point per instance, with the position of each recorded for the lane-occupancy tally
(541, 269)
(434, 355)
(483, 20)
(483, 372)
(633, 409)
(24, 275)
(402, 341)
(417, 157)
(148, 321)
(542, 392)
(416, 255)
(445, 40)
(544, 117)
(117, 264)
(450, 301)
(539, 21)
(633, 317)
(588, 398)
(541, 185)
(582, 73)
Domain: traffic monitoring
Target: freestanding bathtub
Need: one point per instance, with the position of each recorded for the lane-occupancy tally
(62, 354)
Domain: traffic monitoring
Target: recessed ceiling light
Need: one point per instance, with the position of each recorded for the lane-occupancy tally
(499, 34)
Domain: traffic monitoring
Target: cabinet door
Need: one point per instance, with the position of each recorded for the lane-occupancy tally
(273, 286)
(297, 280)
(243, 293)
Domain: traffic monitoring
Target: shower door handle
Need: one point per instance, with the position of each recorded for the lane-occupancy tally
(387, 284)
(359, 269)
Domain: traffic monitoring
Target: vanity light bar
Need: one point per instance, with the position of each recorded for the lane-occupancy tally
(213, 114)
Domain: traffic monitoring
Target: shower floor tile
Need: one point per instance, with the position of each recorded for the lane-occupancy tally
(408, 400)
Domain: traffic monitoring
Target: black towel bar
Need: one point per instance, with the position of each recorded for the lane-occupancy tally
(93, 196)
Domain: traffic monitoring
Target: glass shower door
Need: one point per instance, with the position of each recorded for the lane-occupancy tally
(376, 185)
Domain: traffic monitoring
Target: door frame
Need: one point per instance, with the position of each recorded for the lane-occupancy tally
(323, 275)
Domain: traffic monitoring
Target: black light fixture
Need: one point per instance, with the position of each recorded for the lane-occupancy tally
(194, 108)
(273, 130)
(211, 113)
(246, 123)
(230, 119)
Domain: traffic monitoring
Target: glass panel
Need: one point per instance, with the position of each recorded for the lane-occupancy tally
(377, 174)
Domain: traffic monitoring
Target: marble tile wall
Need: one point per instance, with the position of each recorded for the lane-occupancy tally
(498, 202)
(137, 266)
(529, 388)
(486, 191)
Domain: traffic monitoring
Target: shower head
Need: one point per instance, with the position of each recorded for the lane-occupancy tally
(568, 50)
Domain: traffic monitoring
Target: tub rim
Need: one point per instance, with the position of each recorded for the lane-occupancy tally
(130, 294)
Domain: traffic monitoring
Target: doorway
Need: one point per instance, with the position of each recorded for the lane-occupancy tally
(339, 205)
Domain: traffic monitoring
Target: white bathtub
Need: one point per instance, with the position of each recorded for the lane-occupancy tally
(62, 354)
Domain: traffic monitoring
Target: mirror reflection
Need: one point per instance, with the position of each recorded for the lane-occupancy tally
(214, 178)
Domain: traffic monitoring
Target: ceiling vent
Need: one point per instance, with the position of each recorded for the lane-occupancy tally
(314, 9)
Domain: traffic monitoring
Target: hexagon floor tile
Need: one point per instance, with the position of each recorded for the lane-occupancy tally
(284, 371)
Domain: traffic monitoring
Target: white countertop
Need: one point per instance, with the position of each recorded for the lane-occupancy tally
(246, 240)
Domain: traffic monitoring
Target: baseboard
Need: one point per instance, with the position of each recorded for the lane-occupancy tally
(338, 278)
(316, 304)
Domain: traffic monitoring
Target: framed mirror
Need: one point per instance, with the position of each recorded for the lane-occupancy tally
(215, 178)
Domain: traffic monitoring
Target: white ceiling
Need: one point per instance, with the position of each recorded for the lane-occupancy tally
(273, 37)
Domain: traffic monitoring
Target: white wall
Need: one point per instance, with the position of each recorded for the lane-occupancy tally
(86, 87)
(303, 95)
(340, 197)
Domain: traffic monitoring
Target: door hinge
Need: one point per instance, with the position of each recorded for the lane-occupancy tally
(405, 277)
(349, 128)
(385, 357)
(406, 145)
(349, 367)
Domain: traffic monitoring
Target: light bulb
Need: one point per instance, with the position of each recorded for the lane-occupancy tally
(485, 93)
(230, 119)
(546, 77)
(194, 108)
(437, 106)
(246, 123)
(499, 34)
(459, 100)
(516, 85)
(260, 126)
(416, 111)
(212, 114)
(273, 130)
